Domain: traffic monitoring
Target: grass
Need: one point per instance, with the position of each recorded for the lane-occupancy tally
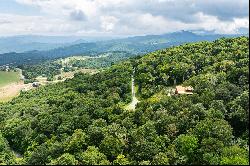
(70, 74)
(161, 94)
(6, 99)
(8, 78)
(8, 92)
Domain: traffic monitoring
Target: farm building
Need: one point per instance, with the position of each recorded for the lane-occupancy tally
(179, 90)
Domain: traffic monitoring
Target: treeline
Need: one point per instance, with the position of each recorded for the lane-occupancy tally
(83, 120)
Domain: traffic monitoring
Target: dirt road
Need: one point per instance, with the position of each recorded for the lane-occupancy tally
(132, 105)
(12, 90)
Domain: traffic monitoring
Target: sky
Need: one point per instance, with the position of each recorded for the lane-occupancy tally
(121, 17)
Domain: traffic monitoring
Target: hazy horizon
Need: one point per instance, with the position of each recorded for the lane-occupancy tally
(125, 36)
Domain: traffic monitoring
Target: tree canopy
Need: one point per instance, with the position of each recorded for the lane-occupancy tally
(84, 121)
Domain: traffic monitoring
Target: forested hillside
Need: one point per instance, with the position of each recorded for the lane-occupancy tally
(47, 69)
(133, 45)
(84, 120)
(50, 69)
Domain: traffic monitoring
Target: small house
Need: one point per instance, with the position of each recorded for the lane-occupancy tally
(7, 68)
(36, 84)
(179, 90)
(22, 77)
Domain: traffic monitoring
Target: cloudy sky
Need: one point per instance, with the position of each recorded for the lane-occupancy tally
(121, 17)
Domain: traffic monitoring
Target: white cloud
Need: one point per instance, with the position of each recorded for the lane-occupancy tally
(108, 22)
(226, 27)
(34, 25)
(127, 17)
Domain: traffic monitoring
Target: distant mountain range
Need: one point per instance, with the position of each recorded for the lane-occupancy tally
(45, 48)
(25, 43)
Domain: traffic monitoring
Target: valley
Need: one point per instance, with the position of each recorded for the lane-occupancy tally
(12, 83)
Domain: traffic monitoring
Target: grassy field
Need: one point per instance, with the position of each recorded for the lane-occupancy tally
(8, 77)
(70, 74)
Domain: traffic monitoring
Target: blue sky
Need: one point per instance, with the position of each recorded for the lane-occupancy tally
(121, 17)
(12, 7)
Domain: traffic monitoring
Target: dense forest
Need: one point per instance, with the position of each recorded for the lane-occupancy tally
(84, 121)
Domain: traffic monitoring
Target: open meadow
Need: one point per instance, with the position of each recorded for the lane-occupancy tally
(10, 85)
(8, 78)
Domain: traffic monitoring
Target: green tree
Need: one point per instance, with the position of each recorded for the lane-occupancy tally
(92, 156)
(186, 146)
(6, 156)
(234, 155)
(111, 146)
(160, 159)
(215, 128)
(121, 160)
(77, 142)
(65, 159)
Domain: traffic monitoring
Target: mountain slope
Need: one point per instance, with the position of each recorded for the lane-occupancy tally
(27, 43)
(83, 120)
(132, 45)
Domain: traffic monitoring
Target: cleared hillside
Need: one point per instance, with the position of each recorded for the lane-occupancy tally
(8, 78)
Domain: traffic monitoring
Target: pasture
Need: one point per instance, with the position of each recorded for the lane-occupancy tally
(7, 78)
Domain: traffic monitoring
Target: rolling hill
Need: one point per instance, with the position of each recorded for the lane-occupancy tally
(26, 43)
(133, 45)
(84, 121)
